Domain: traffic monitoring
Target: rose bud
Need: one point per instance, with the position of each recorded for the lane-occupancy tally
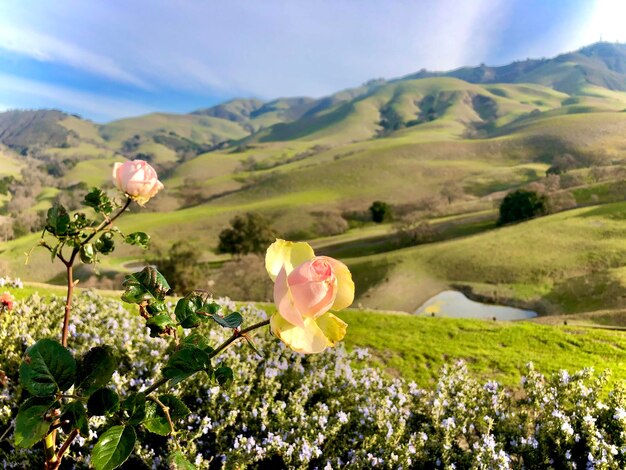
(137, 179)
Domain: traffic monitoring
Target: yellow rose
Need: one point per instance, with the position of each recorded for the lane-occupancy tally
(306, 288)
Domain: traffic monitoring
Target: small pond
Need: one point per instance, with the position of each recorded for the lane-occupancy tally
(454, 304)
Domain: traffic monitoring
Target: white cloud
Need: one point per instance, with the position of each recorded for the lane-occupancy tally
(70, 100)
(47, 48)
(606, 22)
(270, 48)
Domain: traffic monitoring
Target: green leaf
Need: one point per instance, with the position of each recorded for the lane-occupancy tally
(47, 368)
(232, 320)
(159, 324)
(187, 308)
(156, 306)
(95, 369)
(138, 238)
(186, 362)
(177, 461)
(105, 243)
(87, 253)
(80, 221)
(195, 340)
(134, 408)
(224, 376)
(58, 220)
(211, 308)
(100, 202)
(135, 294)
(156, 421)
(102, 402)
(32, 422)
(150, 280)
(113, 447)
(75, 413)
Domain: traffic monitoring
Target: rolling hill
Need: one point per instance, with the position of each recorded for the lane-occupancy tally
(304, 161)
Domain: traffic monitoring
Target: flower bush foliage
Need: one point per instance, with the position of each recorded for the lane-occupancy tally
(323, 411)
(266, 406)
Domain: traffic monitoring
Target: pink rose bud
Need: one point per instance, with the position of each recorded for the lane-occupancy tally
(137, 179)
(6, 301)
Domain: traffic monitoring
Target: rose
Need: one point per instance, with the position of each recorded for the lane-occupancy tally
(6, 301)
(306, 288)
(137, 179)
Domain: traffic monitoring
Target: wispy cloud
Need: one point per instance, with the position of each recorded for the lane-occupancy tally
(47, 48)
(216, 50)
(103, 107)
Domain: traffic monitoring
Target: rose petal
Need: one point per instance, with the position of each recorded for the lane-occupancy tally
(333, 327)
(284, 300)
(308, 339)
(345, 284)
(288, 254)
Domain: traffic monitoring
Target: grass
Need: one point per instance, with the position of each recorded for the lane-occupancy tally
(417, 347)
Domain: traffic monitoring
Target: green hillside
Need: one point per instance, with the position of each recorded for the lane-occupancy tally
(440, 149)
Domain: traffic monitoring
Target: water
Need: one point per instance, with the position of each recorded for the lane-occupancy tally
(454, 304)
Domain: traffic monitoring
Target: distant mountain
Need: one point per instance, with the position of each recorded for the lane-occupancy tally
(22, 130)
(602, 64)
(468, 102)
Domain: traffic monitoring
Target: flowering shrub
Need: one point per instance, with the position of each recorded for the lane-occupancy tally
(68, 394)
(325, 411)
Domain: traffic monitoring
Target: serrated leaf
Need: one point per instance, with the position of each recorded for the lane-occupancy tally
(141, 239)
(150, 280)
(195, 340)
(100, 202)
(135, 294)
(87, 253)
(156, 421)
(113, 447)
(211, 308)
(75, 413)
(31, 424)
(185, 362)
(159, 324)
(47, 368)
(95, 369)
(224, 376)
(156, 306)
(105, 244)
(57, 220)
(134, 408)
(232, 320)
(177, 461)
(187, 308)
(102, 402)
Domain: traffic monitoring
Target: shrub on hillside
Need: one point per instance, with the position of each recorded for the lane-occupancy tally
(380, 211)
(250, 233)
(522, 205)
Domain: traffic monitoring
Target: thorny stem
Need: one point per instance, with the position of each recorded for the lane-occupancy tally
(65, 446)
(236, 335)
(69, 265)
(54, 460)
(166, 412)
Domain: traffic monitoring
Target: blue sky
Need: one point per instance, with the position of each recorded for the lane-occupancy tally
(110, 59)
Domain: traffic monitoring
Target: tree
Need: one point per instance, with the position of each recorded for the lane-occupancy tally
(380, 211)
(452, 191)
(250, 233)
(522, 205)
(180, 268)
